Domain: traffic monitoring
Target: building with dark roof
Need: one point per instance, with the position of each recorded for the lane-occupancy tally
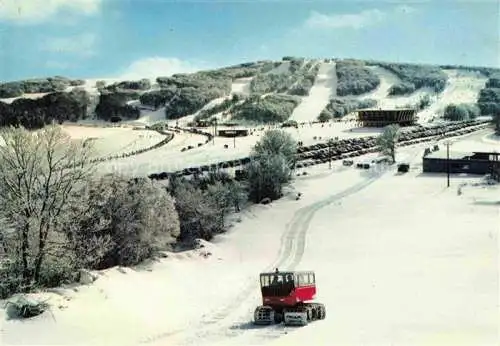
(384, 117)
(459, 162)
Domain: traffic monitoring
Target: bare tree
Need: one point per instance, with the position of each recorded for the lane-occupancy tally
(388, 140)
(39, 171)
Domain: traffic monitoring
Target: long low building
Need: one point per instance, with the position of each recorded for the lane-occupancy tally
(460, 162)
(384, 117)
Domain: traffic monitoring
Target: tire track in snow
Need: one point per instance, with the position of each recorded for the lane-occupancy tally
(292, 248)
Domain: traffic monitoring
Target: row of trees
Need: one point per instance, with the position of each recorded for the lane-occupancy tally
(414, 77)
(59, 216)
(461, 112)
(354, 78)
(489, 99)
(272, 108)
(55, 107)
(297, 80)
(224, 106)
(305, 80)
(339, 107)
(41, 85)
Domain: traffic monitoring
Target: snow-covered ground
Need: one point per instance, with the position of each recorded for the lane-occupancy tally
(282, 68)
(399, 260)
(169, 158)
(109, 141)
(241, 86)
(324, 88)
(150, 117)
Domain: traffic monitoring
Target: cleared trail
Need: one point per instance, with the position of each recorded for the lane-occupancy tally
(233, 318)
(324, 88)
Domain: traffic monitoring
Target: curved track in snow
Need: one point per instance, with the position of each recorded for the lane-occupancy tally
(240, 308)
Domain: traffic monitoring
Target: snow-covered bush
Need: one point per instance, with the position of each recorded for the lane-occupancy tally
(203, 204)
(121, 222)
(271, 165)
(388, 140)
(461, 112)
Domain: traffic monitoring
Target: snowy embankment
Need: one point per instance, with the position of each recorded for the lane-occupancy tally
(324, 88)
(387, 272)
(462, 87)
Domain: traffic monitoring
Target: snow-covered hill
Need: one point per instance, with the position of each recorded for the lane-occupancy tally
(386, 275)
(399, 259)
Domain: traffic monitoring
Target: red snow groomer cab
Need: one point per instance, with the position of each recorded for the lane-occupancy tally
(286, 297)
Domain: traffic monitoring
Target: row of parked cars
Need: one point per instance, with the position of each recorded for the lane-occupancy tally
(343, 149)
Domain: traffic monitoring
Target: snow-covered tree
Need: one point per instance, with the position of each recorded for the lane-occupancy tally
(388, 140)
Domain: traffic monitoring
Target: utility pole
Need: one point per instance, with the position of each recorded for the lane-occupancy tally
(448, 163)
(215, 131)
(330, 143)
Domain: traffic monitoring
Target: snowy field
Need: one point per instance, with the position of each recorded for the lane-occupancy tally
(399, 260)
(109, 141)
(169, 158)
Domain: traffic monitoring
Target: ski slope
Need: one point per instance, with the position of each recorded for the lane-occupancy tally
(387, 80)
(462, 87)
(381, 94)
(324, 88)
(387, 272)
(241, 86)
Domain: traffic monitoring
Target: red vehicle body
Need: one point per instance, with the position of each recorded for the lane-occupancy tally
(287, 296)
